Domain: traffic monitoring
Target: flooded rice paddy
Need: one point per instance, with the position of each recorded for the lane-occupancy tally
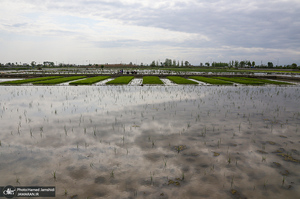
(152, 141)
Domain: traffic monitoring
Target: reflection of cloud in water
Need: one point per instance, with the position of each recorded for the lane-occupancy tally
(122, 140)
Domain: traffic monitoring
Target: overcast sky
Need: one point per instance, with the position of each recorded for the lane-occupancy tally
(123, 31)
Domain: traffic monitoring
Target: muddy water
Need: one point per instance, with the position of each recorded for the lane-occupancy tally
(152, 142)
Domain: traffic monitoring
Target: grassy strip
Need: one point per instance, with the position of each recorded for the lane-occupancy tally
(269, 71)
(211, 80)
(266, 81)
(90, 80)
(216, 70)
(240, 80)
(180, 80)
(219, 70)
(121, 80)
(24, 81)
(151, 80)
(59, 80)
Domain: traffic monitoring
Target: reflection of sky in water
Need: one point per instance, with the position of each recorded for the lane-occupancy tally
(112, 140)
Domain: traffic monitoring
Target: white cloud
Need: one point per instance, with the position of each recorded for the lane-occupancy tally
(200, 26)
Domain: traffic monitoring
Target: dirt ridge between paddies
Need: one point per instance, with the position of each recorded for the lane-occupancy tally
(32, 80)
(121, 80)
(89, 81)
(180, 80)
(59, 80)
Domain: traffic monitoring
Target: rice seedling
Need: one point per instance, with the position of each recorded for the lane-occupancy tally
(54, 175)
(180, 80)
(165, 162)
(151, 177)
(211, 80)
(180, 148)
(66, 132)
(229, 160)
(90, 81)
(94, 131)
(240, 80)
(121, 80)
(152, 80)
(58, 80)
(265, 184)
(15, 82)
(266, 81)
(66, 192)
(18, 180)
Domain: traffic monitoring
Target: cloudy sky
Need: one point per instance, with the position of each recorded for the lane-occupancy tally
(123, 31)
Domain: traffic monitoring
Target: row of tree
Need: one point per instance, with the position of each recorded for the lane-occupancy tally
(170, 63)
(233, 63)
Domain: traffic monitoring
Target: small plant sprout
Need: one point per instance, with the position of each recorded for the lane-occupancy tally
(265, 184)
(0, 143)
(232, 181)
(66, 192)
(165, 162)
(18, 180)
(112, 175)
(54, 175)
(95, 130)
(263, 158)
(182, 176)
(151, 177)
(31, 134)
(66, 132)
(229, 160)
(283, 180)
